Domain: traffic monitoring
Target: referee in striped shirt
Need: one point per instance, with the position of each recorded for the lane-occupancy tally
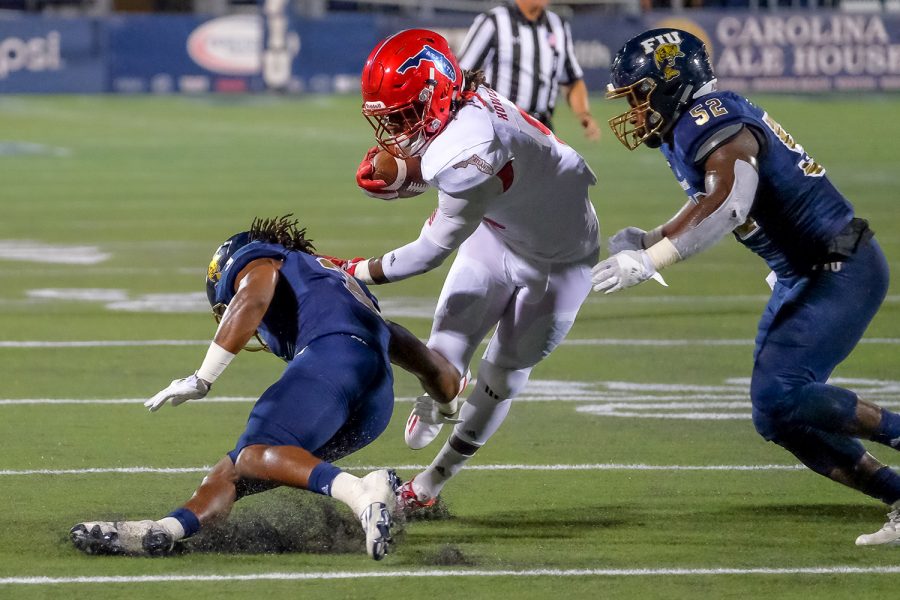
(526, 53)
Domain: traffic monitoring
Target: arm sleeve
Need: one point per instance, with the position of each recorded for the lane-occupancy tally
(449, 225)
(478, 43)
(730, 214)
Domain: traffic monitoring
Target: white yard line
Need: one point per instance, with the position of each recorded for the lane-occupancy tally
(343, 575)
(662, 343)
(368, 468)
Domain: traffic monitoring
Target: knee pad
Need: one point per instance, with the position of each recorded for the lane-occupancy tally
(771, 397)
(821, 451)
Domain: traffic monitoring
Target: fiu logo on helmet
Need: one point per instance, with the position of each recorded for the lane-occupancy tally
(441, 62)
(665, 48)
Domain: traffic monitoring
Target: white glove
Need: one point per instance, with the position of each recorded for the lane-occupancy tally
(426, 420)
(624, 270)
(630, 238)
(179, 391)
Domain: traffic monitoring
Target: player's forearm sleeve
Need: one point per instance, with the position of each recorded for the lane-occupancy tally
(440, 236)
(732, 213)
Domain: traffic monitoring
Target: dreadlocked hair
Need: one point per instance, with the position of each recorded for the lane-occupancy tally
(281, 230)
(473, 79)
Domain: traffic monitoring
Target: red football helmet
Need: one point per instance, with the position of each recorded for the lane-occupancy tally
(409, 85)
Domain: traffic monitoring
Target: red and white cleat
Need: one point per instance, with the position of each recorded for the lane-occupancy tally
(408, 500)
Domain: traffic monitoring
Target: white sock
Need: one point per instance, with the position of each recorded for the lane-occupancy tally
(348, 489)
(173, 526)
(429, 483)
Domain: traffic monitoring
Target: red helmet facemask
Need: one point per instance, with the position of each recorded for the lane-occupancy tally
(409, 85)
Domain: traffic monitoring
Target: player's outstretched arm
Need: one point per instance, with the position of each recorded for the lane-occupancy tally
(255, 289)
(438, 377)
(731, 182)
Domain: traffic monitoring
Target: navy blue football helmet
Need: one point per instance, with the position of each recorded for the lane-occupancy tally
(659, 72)
(219, 259)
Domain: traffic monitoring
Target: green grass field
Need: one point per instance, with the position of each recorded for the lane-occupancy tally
(577, 496)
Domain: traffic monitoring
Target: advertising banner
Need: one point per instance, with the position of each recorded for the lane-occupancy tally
(269, 50)
(808, 51)
(171, 53)
(51, 55)
(783, 51)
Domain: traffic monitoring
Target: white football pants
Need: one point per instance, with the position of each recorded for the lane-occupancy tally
(533, 307)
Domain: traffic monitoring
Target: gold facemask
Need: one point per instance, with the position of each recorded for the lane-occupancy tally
(640, 122)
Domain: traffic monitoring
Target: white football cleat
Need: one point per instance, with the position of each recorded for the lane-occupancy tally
(378, 500)
(131, 538)
(428, 417)
(888, 535)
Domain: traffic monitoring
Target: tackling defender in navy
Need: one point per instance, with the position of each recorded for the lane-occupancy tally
(745, 174)
(334, 397)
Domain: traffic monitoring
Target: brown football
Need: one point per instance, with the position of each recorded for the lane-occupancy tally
(403, 175)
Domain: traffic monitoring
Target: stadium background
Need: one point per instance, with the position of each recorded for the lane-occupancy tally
(133, 142)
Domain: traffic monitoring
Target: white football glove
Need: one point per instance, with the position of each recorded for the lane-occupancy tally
(426, 420)
(624, 270)
(179, 391)
(630, 238)
(428, 417)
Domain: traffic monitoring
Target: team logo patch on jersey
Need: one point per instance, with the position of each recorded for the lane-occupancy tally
(665, 56)
(441, 62)
(477, 162)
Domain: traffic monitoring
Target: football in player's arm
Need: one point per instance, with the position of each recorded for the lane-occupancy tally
(745, 174)
(334, 397)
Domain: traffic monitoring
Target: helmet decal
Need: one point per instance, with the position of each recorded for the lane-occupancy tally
(665, 56)
(669, 37)
(220, 261)
(213, 273)
(441, 62)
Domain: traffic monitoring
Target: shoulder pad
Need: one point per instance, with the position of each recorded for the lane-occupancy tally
(718, 137)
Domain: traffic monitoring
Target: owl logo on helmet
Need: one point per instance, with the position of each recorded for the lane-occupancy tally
(659, 72)
(665, 56)
(410, 86)
(218, 263)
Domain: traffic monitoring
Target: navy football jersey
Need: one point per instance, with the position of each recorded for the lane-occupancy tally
(796, 212)
(313, 298)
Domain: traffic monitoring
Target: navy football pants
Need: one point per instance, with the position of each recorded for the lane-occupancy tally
(807, 329)
(335, 397)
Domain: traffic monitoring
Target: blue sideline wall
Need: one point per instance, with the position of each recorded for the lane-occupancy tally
(752, 51)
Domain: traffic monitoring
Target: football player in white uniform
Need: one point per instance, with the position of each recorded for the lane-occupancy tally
(513, 199)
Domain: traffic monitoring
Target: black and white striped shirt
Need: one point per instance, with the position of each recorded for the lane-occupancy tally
(523, 60)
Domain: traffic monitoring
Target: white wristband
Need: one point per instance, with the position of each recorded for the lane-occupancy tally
(217, 358)
(361, 272)
(663, 253)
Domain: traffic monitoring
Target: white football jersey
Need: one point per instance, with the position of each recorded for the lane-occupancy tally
(494, 164)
